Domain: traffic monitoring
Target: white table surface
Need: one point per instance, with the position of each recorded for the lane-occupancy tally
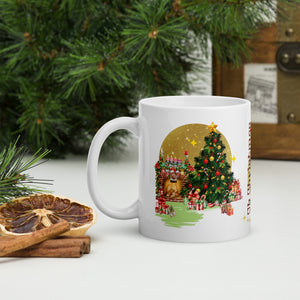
(125, 265)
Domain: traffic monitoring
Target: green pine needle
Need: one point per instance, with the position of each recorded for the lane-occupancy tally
(69, 66)
(13, 181)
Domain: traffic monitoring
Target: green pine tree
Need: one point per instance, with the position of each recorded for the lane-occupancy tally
(69, 66)
(212, 173)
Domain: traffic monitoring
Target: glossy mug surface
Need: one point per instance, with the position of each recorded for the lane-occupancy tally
(194, 168)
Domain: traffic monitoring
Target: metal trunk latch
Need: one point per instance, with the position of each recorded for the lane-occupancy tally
(288, 57)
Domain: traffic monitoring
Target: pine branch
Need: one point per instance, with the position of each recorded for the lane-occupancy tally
(82, 70)
(13, 181)
(69, 66)
(150, 32)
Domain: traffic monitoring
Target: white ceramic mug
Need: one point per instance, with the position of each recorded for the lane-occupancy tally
(194, 168)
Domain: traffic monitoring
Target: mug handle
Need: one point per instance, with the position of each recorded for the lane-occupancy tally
(130, 124)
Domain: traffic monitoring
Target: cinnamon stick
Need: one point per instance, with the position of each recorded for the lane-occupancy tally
(86, 238)
(60, 242)
(24, 241)
(64, 252)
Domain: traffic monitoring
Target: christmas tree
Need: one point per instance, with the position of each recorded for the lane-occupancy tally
(212, 175)
(69, 66)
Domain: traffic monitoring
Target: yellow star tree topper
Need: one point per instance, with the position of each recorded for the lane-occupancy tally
(212, 127)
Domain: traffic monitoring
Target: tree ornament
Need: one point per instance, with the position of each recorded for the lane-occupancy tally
(214, 141)
(219, 156)
(205, 186)
(219, 147)
(211, 158)
(222, 177)
(190, 186)
(217, 173)
(205, 171)
(198, 191)
(190, 168)
(205, 161)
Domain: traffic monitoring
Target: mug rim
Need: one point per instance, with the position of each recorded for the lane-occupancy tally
(194, 102)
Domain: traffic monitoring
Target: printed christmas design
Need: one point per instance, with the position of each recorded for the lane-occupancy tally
(185, 189)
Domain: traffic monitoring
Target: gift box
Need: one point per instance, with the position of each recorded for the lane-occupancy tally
(229, 211)
(162, 208)
(199, 206)
(232, 196)
(238, 195)
(211, 205)
(191, 204)
(165, 209)
(223, 208)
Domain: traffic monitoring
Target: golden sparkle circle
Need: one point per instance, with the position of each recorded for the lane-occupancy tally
(187, 134)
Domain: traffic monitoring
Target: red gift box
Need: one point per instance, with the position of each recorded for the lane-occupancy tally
(211, 204)
(229, 211)
(191, 204)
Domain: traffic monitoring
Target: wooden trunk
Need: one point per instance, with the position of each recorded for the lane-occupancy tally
(280, 139)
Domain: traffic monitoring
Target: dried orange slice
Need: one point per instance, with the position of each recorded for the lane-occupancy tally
(34, 212)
